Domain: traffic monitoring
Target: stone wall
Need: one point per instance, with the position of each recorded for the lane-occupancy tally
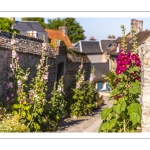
(145, 86)
(29, 51)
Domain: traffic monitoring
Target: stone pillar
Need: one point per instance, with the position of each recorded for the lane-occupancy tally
(145, 86)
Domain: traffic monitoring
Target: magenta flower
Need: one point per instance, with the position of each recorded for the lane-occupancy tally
(137, 62)
(119, 61)
(121, 56)
(125, 60)
(129, 54)
(134, 56)
(118, 71)
(122, 67)
(137, 78)
(117, 81)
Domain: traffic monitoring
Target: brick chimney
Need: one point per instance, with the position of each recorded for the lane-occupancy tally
(137, 25)
(92, 38)
(63, 29)
(109, 37)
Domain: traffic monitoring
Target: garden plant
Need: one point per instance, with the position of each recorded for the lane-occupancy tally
(125, 84)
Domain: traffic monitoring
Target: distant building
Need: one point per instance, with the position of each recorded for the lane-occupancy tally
(31, 28)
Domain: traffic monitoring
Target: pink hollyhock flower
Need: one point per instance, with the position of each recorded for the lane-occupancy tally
(122, 67)
(134, 56)
(14, 54)
(121, 56)
(117, 81)
(44, 45)
(119, 61)
(10, 85)
(129, 54)
(91, 77)
(125, 60)
(117, 96)
(10, 75)
(118, 71)
(12, 41)
(81, 67)
(137, 78)
(137, 62)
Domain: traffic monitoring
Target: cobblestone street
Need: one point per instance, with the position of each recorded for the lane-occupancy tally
(88, 123)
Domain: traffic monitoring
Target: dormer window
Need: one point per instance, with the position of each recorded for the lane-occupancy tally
(32, 34)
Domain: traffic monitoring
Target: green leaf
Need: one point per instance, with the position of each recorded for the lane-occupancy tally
(23, 113)
(14, 113)
(103, 126)
(16, 106)
(40, 110)
(135, 118)
(28, 117)
(112, 123)
(120, 107)
(105, 112)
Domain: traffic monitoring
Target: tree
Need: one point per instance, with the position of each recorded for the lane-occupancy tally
(40, 20)
(6, 24)
(75, 31)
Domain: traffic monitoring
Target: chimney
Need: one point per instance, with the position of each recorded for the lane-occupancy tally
(136, 25)
(63, 29)
(92, 38)
(112, 37)
(109, 37)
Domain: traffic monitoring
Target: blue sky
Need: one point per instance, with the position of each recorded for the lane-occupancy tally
(100, 28)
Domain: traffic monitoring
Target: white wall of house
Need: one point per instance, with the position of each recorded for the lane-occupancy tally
(95, 58)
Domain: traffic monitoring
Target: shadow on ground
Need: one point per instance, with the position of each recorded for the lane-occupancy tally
(70, 122)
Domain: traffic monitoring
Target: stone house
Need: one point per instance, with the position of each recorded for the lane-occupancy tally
(31, 28)
(97, 53)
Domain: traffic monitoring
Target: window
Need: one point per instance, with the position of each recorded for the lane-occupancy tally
(32, 34)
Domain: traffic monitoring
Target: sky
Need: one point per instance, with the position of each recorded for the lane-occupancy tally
(100, 27)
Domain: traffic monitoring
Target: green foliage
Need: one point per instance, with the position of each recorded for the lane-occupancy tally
(6, 24)
(13, 123)
(57, 105)
(37, 95)
(39, 19)
(75, 31)
(85, 95)
(125, 114)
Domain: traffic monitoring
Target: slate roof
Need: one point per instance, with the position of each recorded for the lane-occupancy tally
(24, 26)
(108, 44)
(57, 34)
(89, 47)
(101, 69)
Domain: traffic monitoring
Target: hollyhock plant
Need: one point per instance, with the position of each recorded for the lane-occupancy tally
(125, 113)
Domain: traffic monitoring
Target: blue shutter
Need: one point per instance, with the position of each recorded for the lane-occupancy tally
(107, 87)
(99, 86)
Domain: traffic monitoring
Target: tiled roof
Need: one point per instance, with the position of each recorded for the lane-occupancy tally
(57, 34)
(141, 37)
(119, 39)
